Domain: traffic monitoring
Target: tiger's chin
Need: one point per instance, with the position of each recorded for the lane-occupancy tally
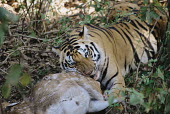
(96, 75)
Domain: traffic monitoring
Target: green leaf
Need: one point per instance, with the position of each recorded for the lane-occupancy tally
(167, 109)
(97, 9)
(143, 13)
(148, 17)
(33, 34)
(6, 90)
(3, 29)
(160, 8)
(153, 60)
(16, 53)
(2, 33)
(110, 100)
(42, 16)
(145, 1)
(5, 15)
(136, 98)
(162, 96)
(25, 79)
(14, 74)
(147, 107)
(160, 73)
(154, 15)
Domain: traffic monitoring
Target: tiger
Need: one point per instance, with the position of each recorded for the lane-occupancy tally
(108, 54)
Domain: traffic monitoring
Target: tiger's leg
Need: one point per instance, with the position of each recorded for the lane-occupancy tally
(116, 89)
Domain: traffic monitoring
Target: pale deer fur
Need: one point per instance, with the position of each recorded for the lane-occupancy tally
(64, 93)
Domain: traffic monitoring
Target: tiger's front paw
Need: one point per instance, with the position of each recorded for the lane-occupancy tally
(111, 97)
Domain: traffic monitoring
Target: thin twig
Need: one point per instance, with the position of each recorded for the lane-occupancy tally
(153, 27)
(144, 47)
(109, 111)
(3, 71)
(3, 62)
(137, 70)
(48, 32)
(41, 39)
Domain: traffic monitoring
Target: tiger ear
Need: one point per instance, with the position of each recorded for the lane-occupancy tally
(56, 50)
(84, 32)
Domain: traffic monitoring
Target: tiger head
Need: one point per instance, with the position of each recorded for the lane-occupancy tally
(78, 53)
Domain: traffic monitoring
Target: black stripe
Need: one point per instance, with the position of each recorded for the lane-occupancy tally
(66, 63)
(130, 68)
(75, 43)
(105, 70)
(71, 42)
(106, 85)
(134, 50)
(96, 50)
(133, 23)
(148, 54)
(130, 7)
(62, 65)
(68, 53)
(129, 33)
(87, 46)
(125, 63)
(120, 24)
(141, 25)
(77, 27)
(79, 31)
(126, 25)
(71, 39)
(65, 43)
(92, 49)
(141, 38)
(154, 34)
(76, 47)
(118, 32)
(64, 48)
(93, 26)
(94, 46)
(95, 33)
(98, 57)
(102, 30)
(90, 35)
(155, 31)
(116, 84)
(146, 39)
